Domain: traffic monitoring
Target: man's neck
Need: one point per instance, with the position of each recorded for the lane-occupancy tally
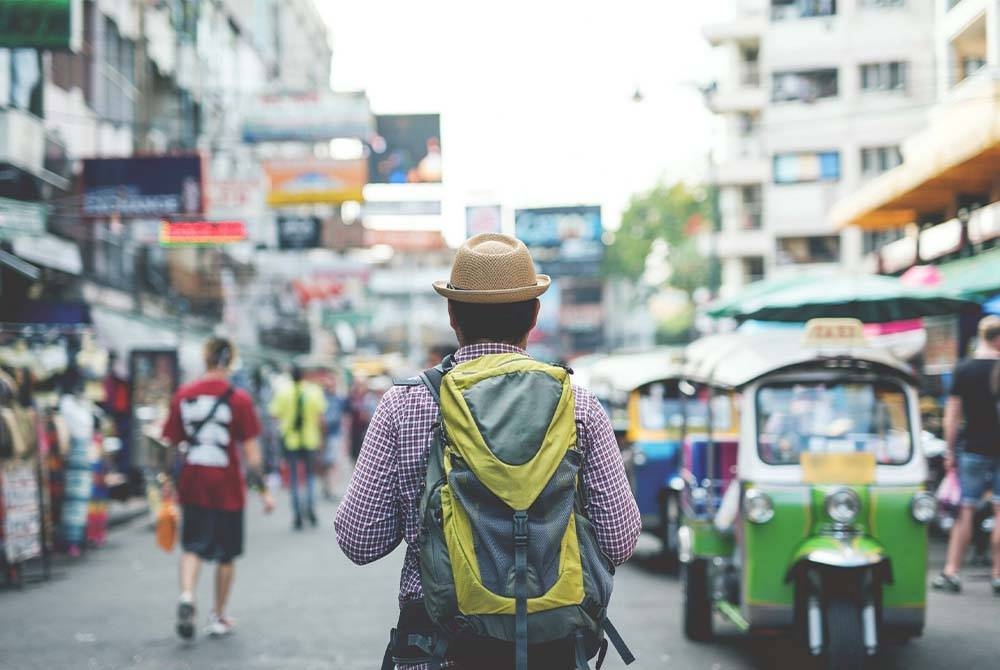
(216, 373)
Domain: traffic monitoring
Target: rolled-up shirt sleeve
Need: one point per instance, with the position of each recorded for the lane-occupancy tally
(369, 522)
(611, 506)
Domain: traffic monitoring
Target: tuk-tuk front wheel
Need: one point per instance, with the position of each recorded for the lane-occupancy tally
(697, 600)
(845, 646)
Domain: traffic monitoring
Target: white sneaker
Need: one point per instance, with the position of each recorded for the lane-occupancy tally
(220, 626)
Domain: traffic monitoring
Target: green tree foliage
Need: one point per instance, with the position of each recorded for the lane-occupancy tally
(672, 213)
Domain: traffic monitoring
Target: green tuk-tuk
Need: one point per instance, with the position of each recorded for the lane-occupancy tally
(819, 527)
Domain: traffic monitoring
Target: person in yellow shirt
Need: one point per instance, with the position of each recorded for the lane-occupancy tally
(299, 409)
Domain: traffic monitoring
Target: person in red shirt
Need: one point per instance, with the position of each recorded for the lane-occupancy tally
(209, 419)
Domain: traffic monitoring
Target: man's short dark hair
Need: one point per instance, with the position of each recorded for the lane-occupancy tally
(508, 323)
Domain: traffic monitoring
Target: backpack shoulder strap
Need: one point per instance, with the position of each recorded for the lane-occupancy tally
(431, 378)
(224, 398)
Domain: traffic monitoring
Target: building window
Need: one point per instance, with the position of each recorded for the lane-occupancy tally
(883, 76)
(752, 209)
(799, 168)
(787, 10)
(971, 65)
(876, 160)
(881, 4)
(750, 68)
(804, 250)
(118, 76)
(805, 86)
(753, 268)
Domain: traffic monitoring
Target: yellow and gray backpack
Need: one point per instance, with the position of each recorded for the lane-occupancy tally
(508, 557)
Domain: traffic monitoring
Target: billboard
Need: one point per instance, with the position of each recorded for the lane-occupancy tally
(317, 116)
(482, 219)
(143, 186)
(315, 181)
(406, 149)
(563, 240)
(299, 232)
(201, 233)
(36, 24)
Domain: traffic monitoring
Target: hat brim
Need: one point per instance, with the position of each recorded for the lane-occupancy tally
(495, 297)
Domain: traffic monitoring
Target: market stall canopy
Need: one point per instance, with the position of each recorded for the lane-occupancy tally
(870, 298)
(958, 153)
(978, 275)
(730, 306)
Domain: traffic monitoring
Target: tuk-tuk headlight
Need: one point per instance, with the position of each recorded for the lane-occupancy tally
(757, 506)
(843, 506)
(923, 507)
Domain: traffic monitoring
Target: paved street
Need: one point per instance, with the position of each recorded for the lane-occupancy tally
(302, 606)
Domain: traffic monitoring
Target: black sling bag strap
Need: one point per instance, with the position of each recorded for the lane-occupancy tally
(224, 398)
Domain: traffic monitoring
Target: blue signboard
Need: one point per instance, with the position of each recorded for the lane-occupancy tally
(143, 186)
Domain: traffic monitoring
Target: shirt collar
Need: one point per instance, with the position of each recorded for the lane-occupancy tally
(473, 351)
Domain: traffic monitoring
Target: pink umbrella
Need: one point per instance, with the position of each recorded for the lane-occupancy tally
(921, 275)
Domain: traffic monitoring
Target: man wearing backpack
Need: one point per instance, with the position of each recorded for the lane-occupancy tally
(505, 482)
(299, 408)
(209, 419)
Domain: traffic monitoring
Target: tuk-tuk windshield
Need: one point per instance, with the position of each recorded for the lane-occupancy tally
(833, 417)
(660, 407)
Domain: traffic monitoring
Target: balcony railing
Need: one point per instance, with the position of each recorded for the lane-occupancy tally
(750, 74)
(803, 9)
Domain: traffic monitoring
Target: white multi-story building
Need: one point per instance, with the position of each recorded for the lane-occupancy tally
(814, 99)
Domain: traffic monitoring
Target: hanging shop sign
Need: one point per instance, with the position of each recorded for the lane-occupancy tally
(299, 232)
(201, 233)
(22, 515)
(39, 24)
(482, 219)
(316, 116)
(143, 186)
(564, 241)
(21, 218)
(50, 251)
(302, 182)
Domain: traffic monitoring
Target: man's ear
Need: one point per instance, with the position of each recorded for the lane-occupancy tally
(534, 319)
(454, 323)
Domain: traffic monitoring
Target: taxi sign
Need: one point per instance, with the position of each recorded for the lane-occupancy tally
(838, 468)
(834, 333)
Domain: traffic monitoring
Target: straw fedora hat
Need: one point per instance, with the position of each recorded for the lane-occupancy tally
(493, 268)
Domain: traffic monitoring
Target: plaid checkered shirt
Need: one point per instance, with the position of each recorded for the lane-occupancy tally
(381, 506)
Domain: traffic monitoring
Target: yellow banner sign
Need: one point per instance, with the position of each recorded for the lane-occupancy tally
(314, 181)
(838, 468)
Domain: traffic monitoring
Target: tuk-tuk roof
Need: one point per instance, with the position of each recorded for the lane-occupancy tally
(736, 359)
(626, 372)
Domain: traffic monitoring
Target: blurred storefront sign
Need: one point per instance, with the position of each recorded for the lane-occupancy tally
(144, 186)
(899, 255)
(407, 240)
(941, 350)
(50, 251)
(315, 181)
(21, 218)
(309, 117)
(22, 140)
(406, 149)
(233, 197)
(298, 232)
(941, 240)
(40, 24)
(401, 208)
(482, 219)
(201, 233)
(984, 224)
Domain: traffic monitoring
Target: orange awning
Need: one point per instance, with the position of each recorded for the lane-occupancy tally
(959, 153)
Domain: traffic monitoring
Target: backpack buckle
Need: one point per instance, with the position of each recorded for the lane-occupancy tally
(521, 529)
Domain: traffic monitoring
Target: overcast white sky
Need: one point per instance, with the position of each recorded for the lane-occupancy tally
(536, 97)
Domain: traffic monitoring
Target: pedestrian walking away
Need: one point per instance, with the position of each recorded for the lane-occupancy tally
(299, 408)
(208, 421)
(333, 444)
(506, 484)
(972, 434)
